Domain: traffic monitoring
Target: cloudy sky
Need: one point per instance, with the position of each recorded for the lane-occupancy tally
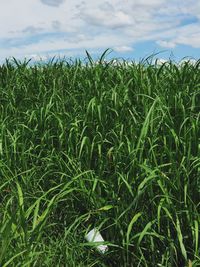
(133, 29)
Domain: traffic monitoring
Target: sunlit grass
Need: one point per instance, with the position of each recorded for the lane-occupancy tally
(112, 147)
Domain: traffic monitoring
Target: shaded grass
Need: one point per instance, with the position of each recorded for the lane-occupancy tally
(98, 145)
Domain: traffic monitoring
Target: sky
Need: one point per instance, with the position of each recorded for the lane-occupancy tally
(132, 29)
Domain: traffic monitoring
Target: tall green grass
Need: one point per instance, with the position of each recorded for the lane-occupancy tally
(115, 147)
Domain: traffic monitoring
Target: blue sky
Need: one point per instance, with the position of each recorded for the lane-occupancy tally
(133, 29)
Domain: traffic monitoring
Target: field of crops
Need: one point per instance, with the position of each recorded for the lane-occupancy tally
(98, 145)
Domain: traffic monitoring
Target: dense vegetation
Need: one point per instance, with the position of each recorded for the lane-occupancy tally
(98, 145)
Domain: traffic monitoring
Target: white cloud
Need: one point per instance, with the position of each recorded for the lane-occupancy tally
(63, 44)
(32, 30)
(54, 3)
(106, 18)
(185, 35)
(166, 44)
(192, 40)
(37, 57)
(123, 48)
(52, 25)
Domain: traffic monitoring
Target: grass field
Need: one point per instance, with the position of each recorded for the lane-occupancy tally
(97, 145)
